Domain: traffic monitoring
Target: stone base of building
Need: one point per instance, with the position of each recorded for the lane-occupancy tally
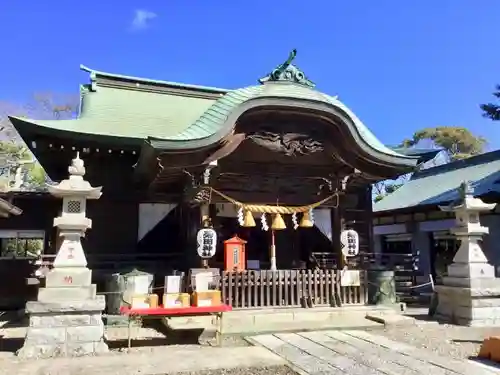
(475, 303)
(67, 318)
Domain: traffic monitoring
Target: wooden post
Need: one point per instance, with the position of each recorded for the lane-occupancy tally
(338, 225)
(273, 251)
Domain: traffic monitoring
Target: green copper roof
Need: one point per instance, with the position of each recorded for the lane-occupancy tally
(116, 112)
(174, 116)
(95, 74)
(211, 122)
(439, 185)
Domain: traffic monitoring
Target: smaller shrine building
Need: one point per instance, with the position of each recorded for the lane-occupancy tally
(410, 219)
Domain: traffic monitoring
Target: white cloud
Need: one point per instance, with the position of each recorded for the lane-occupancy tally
(142, 19)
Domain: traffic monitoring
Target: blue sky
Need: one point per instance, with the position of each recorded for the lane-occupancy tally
(399, 65)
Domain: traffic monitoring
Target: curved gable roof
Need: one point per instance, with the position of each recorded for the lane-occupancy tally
(211, 122)
(128, 110)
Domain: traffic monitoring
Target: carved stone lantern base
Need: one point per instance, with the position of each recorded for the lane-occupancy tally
(475, 306)
(470, 295)
(66, 318)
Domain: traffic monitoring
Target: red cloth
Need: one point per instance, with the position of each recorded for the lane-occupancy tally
(172, 311)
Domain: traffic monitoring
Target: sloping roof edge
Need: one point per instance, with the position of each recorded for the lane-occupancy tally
(487, 157)
(439, 185)
(8, 208)
(26, 126)
(97, 73)
(219, 120)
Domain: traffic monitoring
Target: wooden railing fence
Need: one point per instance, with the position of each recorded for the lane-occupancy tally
(289, 288)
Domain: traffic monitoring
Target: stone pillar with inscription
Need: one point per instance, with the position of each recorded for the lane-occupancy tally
(66, 318)
(470, 294)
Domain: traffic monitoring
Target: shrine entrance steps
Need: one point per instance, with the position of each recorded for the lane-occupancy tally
(253, 321)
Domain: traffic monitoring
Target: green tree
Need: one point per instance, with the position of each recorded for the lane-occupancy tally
(22, 247)
(491, 110)
(14, 155)
(458, 142)
(383, 188)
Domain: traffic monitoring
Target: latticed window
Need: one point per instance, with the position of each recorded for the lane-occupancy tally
(74, 207)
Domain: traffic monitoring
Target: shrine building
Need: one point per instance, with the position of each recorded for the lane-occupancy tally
(410, 218)
(174, 157)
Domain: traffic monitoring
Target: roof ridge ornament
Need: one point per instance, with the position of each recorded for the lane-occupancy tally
(287, 72)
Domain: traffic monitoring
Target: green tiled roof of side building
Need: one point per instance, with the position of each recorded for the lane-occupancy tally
(439, 185)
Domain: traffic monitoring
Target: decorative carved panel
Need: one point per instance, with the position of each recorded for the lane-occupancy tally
(290, 144)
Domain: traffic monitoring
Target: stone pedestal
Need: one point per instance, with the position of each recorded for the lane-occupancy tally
(66, 320)
(469, 301)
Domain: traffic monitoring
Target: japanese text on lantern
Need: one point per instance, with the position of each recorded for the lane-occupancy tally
(208, 241)
(68, 279)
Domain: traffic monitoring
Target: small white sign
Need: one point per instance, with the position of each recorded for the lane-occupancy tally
(350, 242)
(207, 242)
(350, 278)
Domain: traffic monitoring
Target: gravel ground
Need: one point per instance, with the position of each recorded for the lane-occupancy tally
(443, 339)
(273, 370)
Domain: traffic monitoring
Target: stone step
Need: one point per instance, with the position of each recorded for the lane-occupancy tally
(281, 320)
(391, 319)
(67, 293)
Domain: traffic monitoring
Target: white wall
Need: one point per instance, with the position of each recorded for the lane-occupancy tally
(150, 214)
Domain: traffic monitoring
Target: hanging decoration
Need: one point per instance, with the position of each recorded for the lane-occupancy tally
(240, 216)
(294, 221)
(307, 219)
(349, 240)
(263, 221)
(207, 242)
(245, 217)
(278, 223)
(248, 220)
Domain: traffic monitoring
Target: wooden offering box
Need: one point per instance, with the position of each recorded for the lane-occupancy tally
(208, 298)
(176, 300)
(145, 301)
(234, 254)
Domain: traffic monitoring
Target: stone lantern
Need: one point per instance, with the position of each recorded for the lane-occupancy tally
(66, 318)
(470, 291)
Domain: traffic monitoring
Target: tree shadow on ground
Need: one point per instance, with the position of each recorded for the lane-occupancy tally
(485, 362)
(11, 344)
(13, 319)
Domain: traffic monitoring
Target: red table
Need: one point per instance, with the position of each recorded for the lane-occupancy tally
(167, 312)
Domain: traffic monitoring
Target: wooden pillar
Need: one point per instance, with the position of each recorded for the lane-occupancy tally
(338, 225)
(191, 223)
(336, 218)
(369, 218)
